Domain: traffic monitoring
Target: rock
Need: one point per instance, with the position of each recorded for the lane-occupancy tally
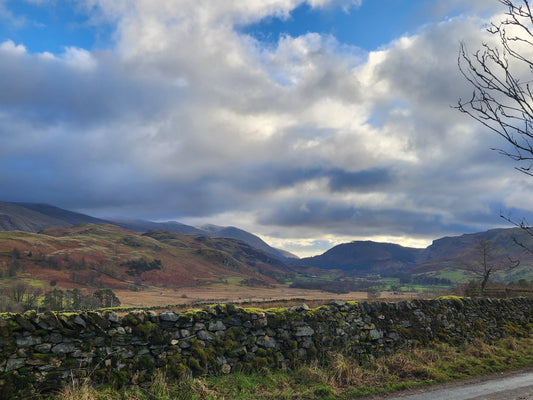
(15, 363)
(168, 316)
(203, 335)
(28, 341)
(266, 342)
(43, 348)
(216, 326)
(56, 338)
(113, 317)
(80, 321)
(63, 348)
(304, 331)
(225, 369)
(375, 334)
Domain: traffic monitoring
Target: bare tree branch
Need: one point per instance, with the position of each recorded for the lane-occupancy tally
(501, 100)
(485, 264)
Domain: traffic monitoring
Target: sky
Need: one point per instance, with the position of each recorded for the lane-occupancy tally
(307, 122)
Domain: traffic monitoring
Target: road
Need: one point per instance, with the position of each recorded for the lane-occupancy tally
(510, 386)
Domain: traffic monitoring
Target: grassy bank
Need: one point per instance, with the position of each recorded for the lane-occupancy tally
(338, 377)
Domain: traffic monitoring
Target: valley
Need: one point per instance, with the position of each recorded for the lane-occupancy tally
(149, 264)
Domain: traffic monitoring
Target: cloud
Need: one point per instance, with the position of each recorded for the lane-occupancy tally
(187, 118)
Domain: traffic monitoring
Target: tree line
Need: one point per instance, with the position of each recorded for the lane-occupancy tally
(20, 297)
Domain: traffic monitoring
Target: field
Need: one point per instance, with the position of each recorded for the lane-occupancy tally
(221, 293)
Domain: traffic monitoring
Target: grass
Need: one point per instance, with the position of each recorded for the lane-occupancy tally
(337, 377)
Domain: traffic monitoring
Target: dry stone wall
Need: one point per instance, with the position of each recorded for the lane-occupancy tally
(39, 353)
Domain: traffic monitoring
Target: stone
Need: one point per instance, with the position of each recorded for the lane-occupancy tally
(225, 369)
(56, 338)
(304, 331)
(15, 363)
(266, 342)
(63, 348)
(203, 335)
(113, 317)
(168, 316)
(43, 348)
(216, 326)
(28, 341)
(80, 321)
(375, 334)
(199, 326)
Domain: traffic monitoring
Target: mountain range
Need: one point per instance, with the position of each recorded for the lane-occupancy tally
(231, 251)
(446, 258)
(33, 217)
(110, 256)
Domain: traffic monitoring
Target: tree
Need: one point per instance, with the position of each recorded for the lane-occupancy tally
(502, 79)
(501, 76)
(53, 300)
(18, 290)
(107, 297)
(486, 264)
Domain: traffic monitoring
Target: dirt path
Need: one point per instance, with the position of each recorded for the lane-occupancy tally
(509, 386)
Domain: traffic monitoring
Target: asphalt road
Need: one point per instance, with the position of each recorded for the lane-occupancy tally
(510, 386)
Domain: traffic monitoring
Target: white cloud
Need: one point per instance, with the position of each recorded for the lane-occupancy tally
(10, 48)
(79, 58)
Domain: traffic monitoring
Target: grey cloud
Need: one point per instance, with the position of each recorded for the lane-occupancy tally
(370, 179)
(51, 91)
(347, 220)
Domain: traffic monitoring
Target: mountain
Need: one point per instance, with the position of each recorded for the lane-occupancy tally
(446, 258)
(365, 257)
(253, 240)
(453, 253)
(33, 217)
(145, 226)
(106, 255)
(29, 217)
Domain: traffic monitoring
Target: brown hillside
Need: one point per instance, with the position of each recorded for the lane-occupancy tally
(106, 255)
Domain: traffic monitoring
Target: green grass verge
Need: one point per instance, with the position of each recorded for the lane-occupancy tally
(338, 377)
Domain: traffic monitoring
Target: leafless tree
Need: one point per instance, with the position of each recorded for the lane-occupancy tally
(501, 76)
(485, 264)
(18, 290)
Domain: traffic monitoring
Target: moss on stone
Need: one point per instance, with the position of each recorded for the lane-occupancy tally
(118, 379)
(130, 320)
(41, 356)
(146, 362)
(195, 366)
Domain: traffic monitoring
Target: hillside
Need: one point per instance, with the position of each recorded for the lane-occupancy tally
(106, 255)
(253, 240)
(33, 217)
(446, 258)
(447, 255)
(145, 226)
(365, 257)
